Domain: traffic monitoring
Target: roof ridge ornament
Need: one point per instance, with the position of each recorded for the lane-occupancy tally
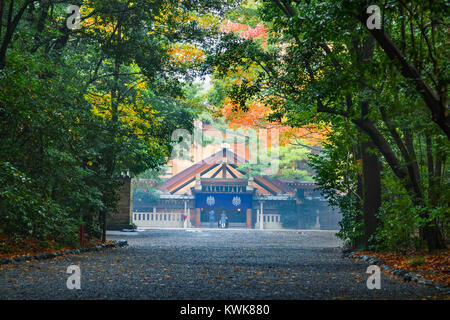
(250, 184)
(198, 182)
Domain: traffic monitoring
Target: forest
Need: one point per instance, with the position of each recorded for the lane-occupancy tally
(92, 89)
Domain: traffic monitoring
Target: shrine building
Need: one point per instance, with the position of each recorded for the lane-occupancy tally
(216, 183)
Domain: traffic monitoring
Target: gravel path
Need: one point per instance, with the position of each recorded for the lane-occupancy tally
(208, 264)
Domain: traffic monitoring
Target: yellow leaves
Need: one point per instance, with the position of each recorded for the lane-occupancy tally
(142, 85)
(89, 163)
(135, 113)
(207, 21)
(94, 24)
(186, 54)
(100, 103)
(172, 16)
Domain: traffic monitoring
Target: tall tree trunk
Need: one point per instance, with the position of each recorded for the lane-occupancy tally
(431, 232)
(110, 160)
(102, 222)
(432, 235)
(11, 25)
(358, 241)
(371, 169)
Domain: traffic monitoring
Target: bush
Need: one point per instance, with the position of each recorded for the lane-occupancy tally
(351, 225)
(416, 261)
(399, 220)
(25, 213)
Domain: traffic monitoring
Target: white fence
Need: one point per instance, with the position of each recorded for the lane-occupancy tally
(158, 219)
(175, 220)
(270, 221)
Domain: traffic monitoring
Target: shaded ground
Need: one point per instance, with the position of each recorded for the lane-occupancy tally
(10, 247)
(431, 266)
(208, 264)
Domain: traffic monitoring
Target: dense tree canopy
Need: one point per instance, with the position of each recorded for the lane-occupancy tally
(383, 90)
(80, 106)
(83, 102)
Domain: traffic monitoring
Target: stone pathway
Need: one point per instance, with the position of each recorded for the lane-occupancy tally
(208, 264)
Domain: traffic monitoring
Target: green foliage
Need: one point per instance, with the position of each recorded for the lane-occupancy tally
(24, 212)
(337, 180)
(78, 108)
(322, 65)
(416, 261)
(351, 226)
(400, 226)
(132, 226)
(292, 157)
(147, 196)
(401, 220)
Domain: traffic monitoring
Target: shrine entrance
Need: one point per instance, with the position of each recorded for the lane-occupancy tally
(236, 206)
(237, 218)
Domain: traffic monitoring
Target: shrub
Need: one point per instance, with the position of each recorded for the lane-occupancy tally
(416, 261)
(24, 212)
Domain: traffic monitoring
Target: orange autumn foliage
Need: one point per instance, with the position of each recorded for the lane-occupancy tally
(255, 117)
(435, 266)
(32, 246)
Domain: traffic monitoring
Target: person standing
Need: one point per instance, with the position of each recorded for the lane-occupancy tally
(212, 218)
(223, 219)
